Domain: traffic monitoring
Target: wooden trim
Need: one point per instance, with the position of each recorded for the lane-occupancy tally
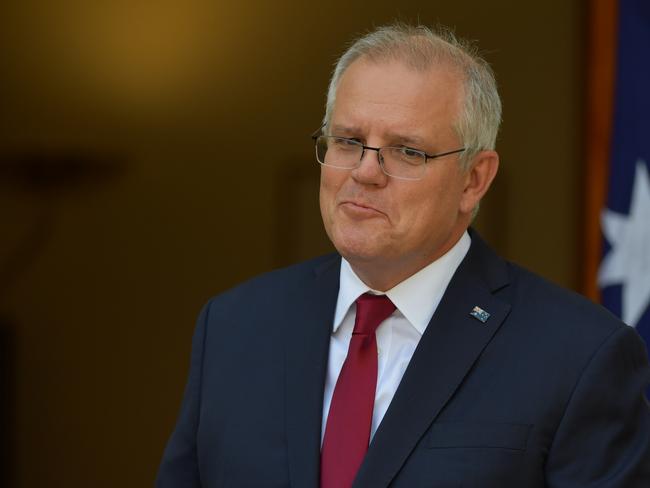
(601, 73)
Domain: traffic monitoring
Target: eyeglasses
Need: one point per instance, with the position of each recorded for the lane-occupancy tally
(400, 162)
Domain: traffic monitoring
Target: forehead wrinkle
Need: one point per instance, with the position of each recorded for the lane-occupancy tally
(389, 134)
(391, 118)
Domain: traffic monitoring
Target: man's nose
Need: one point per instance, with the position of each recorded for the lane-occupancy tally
(369, 169)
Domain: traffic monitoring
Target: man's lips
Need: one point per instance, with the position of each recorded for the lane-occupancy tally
(360, 209)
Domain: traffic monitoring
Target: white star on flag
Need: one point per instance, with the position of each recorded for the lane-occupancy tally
(628, 261)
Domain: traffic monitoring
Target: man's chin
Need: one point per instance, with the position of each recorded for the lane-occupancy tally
(361, 252)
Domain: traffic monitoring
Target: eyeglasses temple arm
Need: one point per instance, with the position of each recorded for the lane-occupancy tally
(316, 133)
(433, 156)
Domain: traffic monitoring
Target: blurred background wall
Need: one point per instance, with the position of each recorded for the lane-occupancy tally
(153, 154)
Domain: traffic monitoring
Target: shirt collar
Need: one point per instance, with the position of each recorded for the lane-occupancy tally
(417, 297)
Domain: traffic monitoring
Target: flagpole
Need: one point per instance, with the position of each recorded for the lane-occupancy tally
(601, 69)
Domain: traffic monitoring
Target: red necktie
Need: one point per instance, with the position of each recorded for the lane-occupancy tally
(347, 433)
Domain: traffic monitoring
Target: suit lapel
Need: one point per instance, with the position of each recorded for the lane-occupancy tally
(449, 347)
(307, 339)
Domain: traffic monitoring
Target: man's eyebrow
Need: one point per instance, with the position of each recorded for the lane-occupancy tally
(405, 139)
(345, 129)
(392, 136)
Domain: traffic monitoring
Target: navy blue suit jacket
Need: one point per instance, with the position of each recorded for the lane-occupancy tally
(547, 393)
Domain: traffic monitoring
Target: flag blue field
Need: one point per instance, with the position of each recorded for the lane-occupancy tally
(624, 274)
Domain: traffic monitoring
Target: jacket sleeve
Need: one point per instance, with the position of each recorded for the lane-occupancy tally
(603, 439)
(179, 465)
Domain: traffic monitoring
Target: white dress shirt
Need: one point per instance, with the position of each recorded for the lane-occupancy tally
(415, 299)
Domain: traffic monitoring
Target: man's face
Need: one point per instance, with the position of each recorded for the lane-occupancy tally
(374, 219)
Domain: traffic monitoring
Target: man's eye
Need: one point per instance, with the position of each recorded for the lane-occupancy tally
(344, 143)
(410, 153)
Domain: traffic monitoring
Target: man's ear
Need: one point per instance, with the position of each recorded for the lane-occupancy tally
(479, 177)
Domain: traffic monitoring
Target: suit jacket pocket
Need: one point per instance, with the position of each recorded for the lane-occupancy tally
(466, 435)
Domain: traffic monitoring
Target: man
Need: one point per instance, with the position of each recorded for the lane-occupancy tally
(415, 356)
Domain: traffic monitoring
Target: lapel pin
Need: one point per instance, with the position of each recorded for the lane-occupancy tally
(479, 314)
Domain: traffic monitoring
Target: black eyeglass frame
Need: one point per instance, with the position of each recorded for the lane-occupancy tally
(316, 134)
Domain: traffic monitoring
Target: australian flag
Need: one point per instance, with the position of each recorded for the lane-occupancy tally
(624, 274)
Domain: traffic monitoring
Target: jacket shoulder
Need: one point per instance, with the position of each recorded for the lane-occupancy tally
(559, 310)
(279, 282)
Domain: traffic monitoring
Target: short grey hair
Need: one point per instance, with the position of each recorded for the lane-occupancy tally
(420, 47)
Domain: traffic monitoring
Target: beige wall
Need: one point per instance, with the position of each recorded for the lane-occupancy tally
(191, 122)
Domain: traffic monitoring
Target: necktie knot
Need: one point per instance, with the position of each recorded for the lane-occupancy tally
(372, 310)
